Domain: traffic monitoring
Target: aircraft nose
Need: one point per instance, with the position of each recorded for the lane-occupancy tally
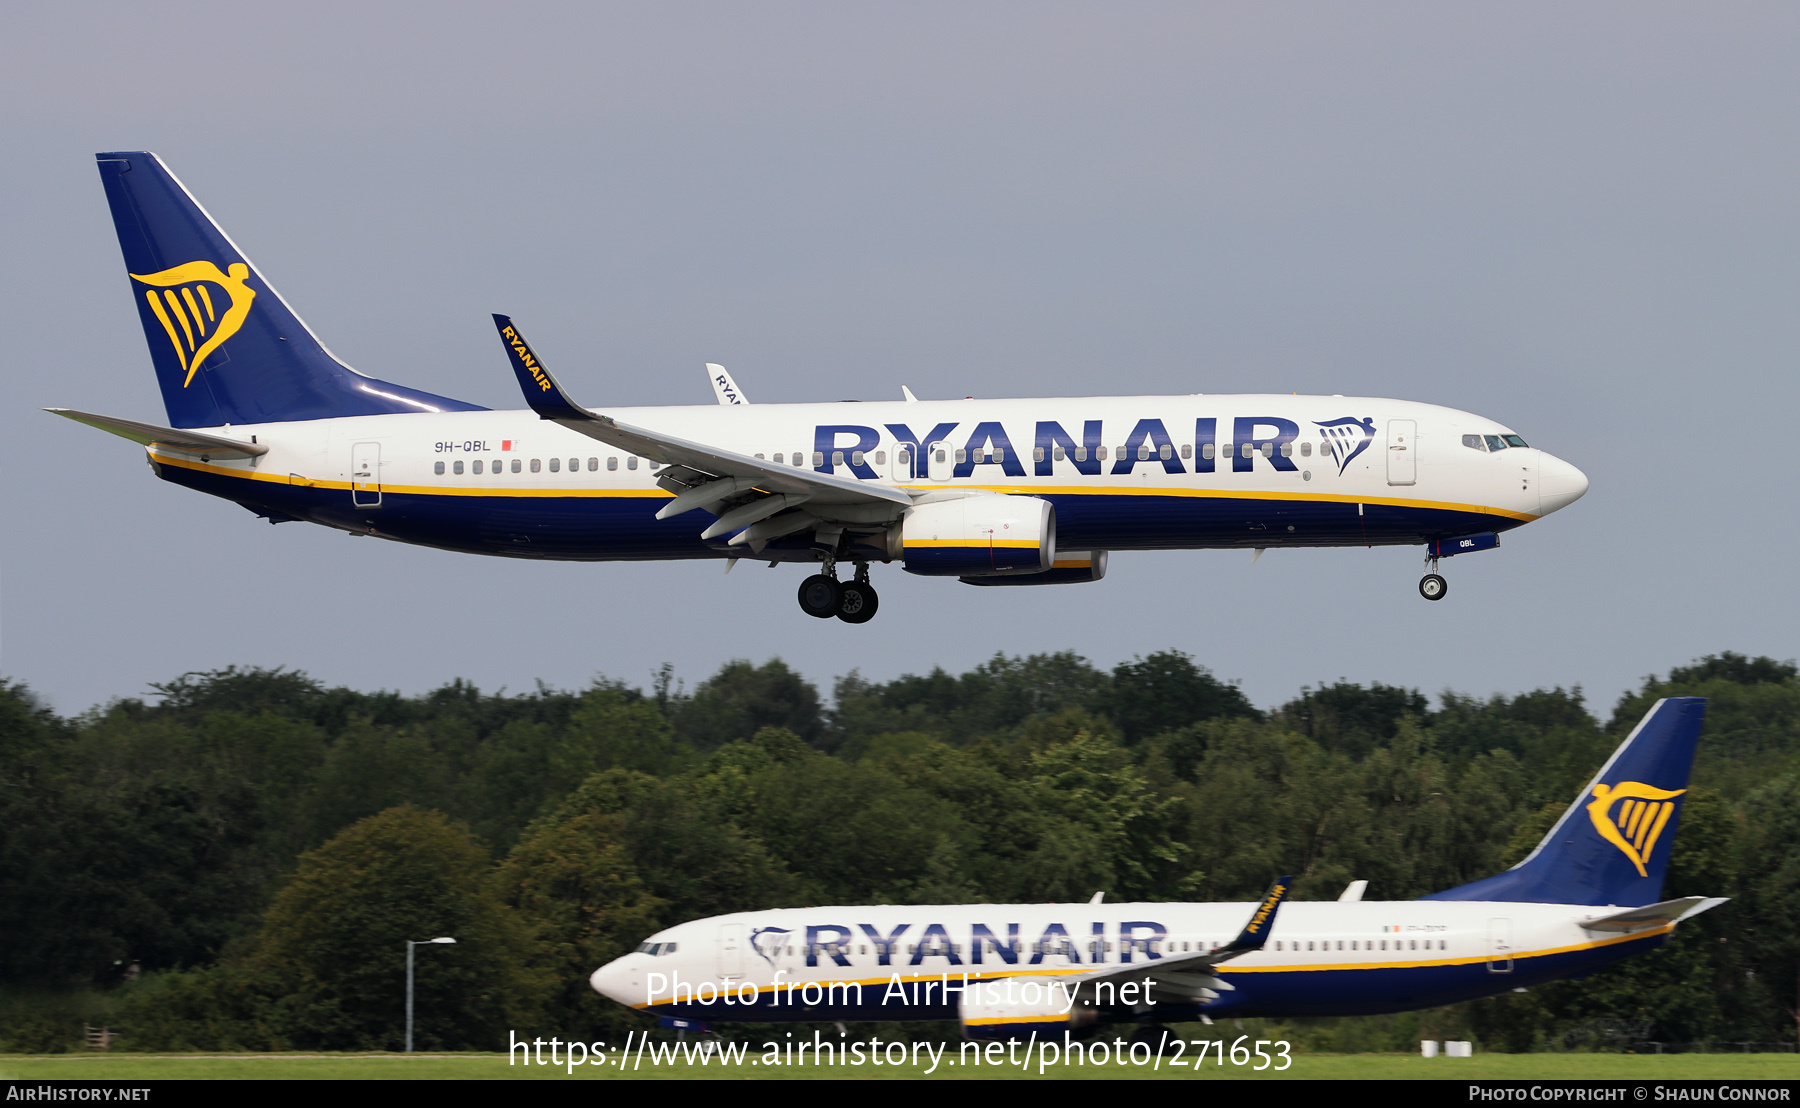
(613, 981)
(1559, 484)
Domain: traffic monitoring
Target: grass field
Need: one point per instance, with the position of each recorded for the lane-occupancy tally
(1321, 1067)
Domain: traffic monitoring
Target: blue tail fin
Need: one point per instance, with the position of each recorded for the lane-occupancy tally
(1612, 845)
(227, 348)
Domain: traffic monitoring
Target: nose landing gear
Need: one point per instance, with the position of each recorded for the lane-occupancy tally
(1431, 586)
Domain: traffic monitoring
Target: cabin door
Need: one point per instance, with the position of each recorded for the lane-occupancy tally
(940, 460)
(1500, 949)
(1402, 452)
(365, 475)
(731, 950)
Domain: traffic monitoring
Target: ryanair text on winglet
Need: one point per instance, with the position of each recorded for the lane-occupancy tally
(523, 353)
(1268, 906)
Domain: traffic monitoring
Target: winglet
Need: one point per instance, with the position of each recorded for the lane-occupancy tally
(723, 386)
(545, 396)
(1262, 921)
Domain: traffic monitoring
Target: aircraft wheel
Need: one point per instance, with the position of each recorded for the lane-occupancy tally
(858, 602)
(1433, 587)
(820, 596)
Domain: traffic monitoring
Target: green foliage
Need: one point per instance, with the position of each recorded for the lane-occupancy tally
(262, 844)
(333, 943)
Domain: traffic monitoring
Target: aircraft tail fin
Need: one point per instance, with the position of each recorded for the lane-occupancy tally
(1612, 845)
(226, 346)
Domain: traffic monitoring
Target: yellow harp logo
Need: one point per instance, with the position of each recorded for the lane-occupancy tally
(1643, 810)
(184, 302)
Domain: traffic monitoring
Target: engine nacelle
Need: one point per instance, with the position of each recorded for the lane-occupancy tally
(1072, 568)
(977, 536)
(1016, 1008)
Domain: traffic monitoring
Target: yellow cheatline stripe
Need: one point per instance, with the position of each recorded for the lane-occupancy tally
(974, 544)
(444, 490)
(1054, 1018)
(180, 316)
(1238, 494)
(956, 975)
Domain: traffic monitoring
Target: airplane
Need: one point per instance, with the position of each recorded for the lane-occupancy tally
(1585, 898)
(990, 492)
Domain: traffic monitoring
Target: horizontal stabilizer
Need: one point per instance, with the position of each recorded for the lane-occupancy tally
(1654, 915)
(166, 439)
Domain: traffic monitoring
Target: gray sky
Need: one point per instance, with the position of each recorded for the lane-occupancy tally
(1577, 219)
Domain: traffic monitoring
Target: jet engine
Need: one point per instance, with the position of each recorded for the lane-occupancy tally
(978, 536)
(1072, 567)
(1015, 1008)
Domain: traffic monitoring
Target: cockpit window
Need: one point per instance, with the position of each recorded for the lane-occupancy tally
(1514, 440)
(646, 948)
(1495, 442)
(1474, 442)
(657, 950)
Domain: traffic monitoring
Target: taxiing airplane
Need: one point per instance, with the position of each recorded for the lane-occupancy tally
(1588, 896)
(991, 492)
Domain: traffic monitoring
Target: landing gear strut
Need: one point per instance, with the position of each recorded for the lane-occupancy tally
(1431, 586)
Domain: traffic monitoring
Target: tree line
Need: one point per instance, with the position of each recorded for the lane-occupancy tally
(236, 861)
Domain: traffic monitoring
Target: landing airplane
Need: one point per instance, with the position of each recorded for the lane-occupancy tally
(1588, 896)
(991, 492)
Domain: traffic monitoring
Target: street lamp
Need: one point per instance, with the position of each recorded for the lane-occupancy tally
(409, 981)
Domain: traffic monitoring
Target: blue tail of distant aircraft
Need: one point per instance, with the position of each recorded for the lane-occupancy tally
(227, 348)
(1612, 845)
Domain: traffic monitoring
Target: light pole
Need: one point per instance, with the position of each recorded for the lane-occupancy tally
(409, 982)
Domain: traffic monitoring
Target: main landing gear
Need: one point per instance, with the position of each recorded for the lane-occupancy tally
(1431, 586)
(822, 595)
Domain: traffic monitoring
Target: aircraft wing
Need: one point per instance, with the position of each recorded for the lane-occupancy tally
(1653, 915)
(699, 468)
(167, 439)
(1189, 977)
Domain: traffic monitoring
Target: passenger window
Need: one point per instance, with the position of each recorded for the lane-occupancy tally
(962, 456)
(1080, 453)
(1494, 442)
(457, 467)
(1100, 453)
(1268, 449)
(555, 465)
(1473, 442)
(837, 457)
(1037, 453)
(856, 457)
(798, 459)
(536, 465)
(612, 463)
(1206, 450)
(1513, 440)
(516, 466)
(593, 464)
(654, 466)
(999, 454)
(881, 457)
(1277, 944)
(1143, 452)
(1306, 450)
(818, 458)
(475, 467)
(631, 462)
(758, 457)
(1287, 450)
(438, 469)
(574, 464)
(1187, 450)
